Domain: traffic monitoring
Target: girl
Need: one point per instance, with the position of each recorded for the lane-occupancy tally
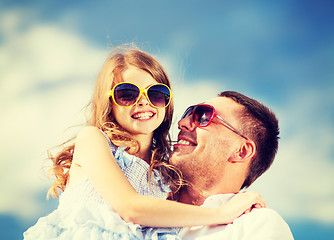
(119, 176)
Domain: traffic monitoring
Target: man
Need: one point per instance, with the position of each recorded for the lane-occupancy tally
(223, 146)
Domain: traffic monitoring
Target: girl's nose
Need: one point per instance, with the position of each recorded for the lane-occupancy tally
(143, 101)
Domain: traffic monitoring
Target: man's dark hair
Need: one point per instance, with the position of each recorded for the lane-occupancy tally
(259, 124)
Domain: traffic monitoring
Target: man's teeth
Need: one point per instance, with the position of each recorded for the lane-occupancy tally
(184, 142)
(145, 115)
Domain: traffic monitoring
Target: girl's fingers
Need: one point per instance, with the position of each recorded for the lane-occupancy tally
(258, 205)
(259, 201)
(247, 211)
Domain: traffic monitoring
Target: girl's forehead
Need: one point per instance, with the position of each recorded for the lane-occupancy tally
(139, 77)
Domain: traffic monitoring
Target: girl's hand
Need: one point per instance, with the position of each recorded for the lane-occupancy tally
(240, 204)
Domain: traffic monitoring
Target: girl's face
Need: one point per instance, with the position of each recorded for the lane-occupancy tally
(142, 118)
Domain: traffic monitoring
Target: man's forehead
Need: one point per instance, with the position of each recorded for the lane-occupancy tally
(224, 105)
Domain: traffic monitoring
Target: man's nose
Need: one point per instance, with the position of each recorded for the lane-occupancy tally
(187, 123)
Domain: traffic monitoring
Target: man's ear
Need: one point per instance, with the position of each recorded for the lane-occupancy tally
(246, 152)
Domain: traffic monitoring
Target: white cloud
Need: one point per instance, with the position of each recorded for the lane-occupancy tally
(43, 54)
(46, 79)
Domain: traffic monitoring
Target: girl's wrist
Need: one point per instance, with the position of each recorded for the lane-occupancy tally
(225, 218)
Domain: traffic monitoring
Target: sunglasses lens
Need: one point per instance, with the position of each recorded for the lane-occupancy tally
(159, 95)
(188, 111)
(202, 115)
(126, 94)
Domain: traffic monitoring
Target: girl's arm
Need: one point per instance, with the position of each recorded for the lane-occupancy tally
(93, 154)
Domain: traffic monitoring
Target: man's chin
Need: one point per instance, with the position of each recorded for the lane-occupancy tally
(180, 158)
(176, 157)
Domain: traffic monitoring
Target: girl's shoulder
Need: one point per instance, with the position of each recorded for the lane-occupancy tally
(90, 143)
(88, 131)
(94, 135)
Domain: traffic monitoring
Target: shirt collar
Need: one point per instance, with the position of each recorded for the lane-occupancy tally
(217, 200)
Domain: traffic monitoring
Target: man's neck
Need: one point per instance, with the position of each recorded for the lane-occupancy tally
(190, 196)
(197, 196)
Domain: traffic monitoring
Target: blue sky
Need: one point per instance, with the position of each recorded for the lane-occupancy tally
(281, 53)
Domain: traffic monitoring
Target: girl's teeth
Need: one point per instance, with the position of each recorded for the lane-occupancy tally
(145, 115)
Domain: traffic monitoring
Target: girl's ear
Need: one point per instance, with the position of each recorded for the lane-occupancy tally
(245, 153)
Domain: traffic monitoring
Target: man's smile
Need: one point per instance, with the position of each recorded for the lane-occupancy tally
(184, 140)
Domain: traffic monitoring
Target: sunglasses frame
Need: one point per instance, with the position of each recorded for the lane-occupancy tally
(141, 92)
(214, 114)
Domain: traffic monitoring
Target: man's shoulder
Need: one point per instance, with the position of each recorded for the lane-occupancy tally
(264, 213)
(263, 223)
(262, 216)
(265, 220)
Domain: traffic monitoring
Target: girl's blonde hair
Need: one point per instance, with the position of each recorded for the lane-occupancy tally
(102, 117)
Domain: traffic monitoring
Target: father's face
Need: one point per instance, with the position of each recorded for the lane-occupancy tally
(203, 152)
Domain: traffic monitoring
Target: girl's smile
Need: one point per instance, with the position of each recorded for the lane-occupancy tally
(143, 115)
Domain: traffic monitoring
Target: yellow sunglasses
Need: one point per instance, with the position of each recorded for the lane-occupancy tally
(127, 94)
